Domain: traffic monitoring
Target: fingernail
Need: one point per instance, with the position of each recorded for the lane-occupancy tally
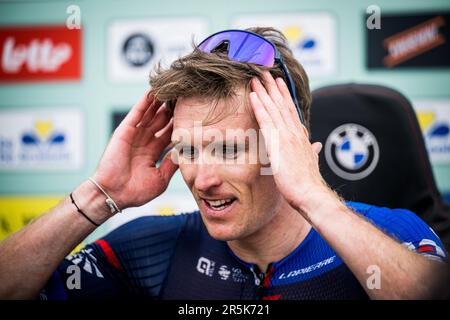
(319, 148)
(158, 134)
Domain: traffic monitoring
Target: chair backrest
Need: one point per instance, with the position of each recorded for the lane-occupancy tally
(374, 151)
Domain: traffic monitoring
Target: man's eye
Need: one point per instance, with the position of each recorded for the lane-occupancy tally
(230, 152)
(189, 152)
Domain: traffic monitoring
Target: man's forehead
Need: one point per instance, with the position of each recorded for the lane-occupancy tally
(232, 113)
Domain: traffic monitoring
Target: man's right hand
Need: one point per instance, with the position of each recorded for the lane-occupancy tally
(127, 170)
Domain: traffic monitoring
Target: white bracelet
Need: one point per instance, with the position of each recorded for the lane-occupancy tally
(109, 201)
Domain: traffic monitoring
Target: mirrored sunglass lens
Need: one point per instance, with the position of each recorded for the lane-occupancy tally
(242, 46)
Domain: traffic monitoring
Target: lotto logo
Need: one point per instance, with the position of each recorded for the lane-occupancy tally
(40, 53)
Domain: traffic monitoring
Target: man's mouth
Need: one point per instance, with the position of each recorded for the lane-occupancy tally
(219, 204)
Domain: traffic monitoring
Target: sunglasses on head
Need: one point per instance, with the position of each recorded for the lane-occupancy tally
(246, 46)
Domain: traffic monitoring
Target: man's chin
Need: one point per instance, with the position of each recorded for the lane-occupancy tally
(222, 231)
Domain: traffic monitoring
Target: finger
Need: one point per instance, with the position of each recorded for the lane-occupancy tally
(137, 112)
(158, 144)
(165, 129)
(264, 120)
(284, 90)
(150, 115)
(272, 87)
(167, 167)
(262, 116)
(288, 103)
(267, 102)
(146, 134)
(160, 120)
(317, 147)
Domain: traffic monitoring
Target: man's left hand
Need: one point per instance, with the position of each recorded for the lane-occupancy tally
(294, 160)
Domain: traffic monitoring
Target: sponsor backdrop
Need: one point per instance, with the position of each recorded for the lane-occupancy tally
(410, 40)
(312, 37)
(15, 212)
(136, 46)
(37, 53)
(70, 69)
(50, 139)
(434, 120)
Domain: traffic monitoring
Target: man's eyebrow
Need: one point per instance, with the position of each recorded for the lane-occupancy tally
(238, 140)
(235, 142)
(181, 143)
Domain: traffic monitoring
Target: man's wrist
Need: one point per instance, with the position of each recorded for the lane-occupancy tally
(318, 202)
(92, 202)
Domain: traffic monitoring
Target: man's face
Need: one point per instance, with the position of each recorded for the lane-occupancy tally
(220, 164)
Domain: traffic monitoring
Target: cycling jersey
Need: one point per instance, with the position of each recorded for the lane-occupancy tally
(174, 257)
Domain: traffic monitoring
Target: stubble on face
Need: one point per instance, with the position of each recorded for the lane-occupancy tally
(256, 198)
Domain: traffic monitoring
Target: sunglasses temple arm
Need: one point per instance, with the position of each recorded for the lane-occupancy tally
(290, 84)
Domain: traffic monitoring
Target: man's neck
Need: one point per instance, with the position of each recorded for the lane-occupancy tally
(274, 241)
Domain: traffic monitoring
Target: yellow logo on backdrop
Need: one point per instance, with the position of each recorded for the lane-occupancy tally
(425, 119)
(165, 211)
(293, 33)
(16, 212)
(43, 129)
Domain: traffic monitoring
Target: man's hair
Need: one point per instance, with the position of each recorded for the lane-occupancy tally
(215, 77)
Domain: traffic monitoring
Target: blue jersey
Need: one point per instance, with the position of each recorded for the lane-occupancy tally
(174, 257)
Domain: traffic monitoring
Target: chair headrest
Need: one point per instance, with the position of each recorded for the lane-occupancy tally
(374, 150)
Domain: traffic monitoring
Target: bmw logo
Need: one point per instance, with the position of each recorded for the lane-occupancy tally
(138, 50)
(352, 151)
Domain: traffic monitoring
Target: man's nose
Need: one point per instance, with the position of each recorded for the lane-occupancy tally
(207, 177)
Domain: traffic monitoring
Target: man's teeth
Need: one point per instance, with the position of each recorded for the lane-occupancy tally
(218, 203)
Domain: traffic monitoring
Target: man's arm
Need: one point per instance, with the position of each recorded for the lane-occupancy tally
(404, 274)
(29, 256)
(128, 173)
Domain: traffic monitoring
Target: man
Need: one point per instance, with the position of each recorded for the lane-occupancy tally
(267, 228)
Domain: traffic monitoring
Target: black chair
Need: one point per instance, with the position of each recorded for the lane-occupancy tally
(374, 151)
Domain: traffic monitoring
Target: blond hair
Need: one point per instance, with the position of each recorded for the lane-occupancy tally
(215, 77)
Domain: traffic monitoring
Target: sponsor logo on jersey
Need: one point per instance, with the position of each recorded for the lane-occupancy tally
(224, 272)
(238, 275)
(208, 267)
(205, 266)
(311, 268)
(87, 260)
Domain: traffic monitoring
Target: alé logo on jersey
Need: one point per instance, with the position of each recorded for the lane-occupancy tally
(223, 272)
(32, 53)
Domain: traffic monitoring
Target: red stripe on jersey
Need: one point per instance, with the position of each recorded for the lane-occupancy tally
(274, 297)
(109, 253)
(266, 281)
(426, 249)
